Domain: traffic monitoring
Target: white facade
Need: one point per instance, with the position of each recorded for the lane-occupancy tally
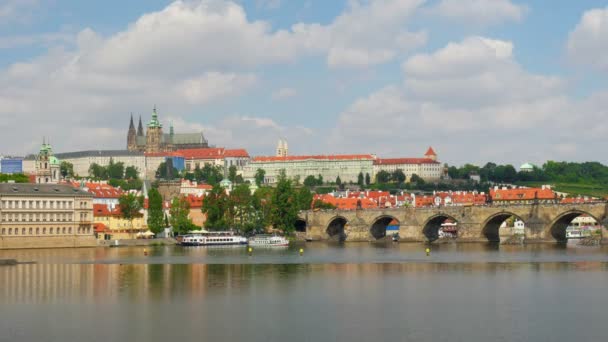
(347, 167)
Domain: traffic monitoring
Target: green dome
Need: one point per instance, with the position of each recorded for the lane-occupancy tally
(53, 160)
(526, 166)
(226, 183)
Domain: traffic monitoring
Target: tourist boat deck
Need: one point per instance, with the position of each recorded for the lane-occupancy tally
(268, 241)
(212, 239)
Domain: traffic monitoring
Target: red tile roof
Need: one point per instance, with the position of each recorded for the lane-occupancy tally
(430, 152)
(101, 210)
(317, 157)
(100, 227)
(401, 161)
(521, 194)
(100, 190)
(204, 153)
(236, 153)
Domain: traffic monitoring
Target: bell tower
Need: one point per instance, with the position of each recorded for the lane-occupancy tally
(154, 134)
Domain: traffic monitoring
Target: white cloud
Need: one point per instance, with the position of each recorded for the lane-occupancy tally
(17, 10)
(213, 85)
(473, 101)
(588, 42)
(481, 12)
(283, 93)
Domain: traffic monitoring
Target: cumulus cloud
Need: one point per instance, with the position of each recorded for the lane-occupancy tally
(472, 101)
(481, 12)
(588, 43)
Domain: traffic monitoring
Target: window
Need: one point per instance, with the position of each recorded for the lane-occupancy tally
(10, 231)
(22, 231)
(51, 230)
(30, 232)
(44, 230)
(70, 230)
(37, 231)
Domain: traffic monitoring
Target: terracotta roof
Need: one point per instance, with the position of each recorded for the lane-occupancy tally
(317, 157)
(401, 161)
(101, 210)
(236, 153)
(521, 194)
(100, 227)
(430, 152)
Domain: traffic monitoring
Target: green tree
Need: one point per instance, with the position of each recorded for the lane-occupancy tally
(361, 179)
(239, 179)
(66, 169)
(130, 206)
(232, 173)
(98, 171)
(262, 202)
(398, 176)
(310, 181)
(17, 178)
(320, 180)
(338, 181)
(259, 177)
(284, 205)
(215, 207)
(368, 179)
(242, 209)
(155, 211)
(161, 171)
(116, 170)
(319, 204)
(180, 221)
(416, 179)
(383, 177)
(304, 198)
(131, 172)
(167, 225)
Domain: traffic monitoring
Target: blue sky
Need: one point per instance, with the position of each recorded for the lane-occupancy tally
(479, 80)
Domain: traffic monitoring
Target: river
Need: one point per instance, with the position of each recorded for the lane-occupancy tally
(351, 292)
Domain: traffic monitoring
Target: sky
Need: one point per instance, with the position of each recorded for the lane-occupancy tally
(508, 81)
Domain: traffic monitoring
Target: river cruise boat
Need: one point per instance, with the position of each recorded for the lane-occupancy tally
(212, 239)
(268, 241)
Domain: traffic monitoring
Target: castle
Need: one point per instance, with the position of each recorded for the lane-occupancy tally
(156, 141)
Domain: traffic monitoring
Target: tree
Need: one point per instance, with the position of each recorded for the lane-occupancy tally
(320, 180)
(284, 205)
(66, 169)
(310, 181)
(416, 179)
(383, 177)
(398, 176)
(155, 211)
(215, 207)
(130, 205)
(304, 198)
(161, 171)
(239, 179)
(116, 170)
(180, 221)
(243, 214)
(361, 179)
(131, 172)
(167, 221)
(259, 177)
(319, 204)
(262, 202)
(368, 179)
(97, 171)
(232, 173)
(338, 181)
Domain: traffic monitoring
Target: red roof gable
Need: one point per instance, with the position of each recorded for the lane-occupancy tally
(400, 161)
(317, 157)
(100, 227)
(430, 152)
(236, 153)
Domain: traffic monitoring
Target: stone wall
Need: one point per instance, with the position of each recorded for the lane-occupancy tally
(22, 242)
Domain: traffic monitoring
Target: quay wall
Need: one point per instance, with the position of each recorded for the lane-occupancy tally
(23, 242)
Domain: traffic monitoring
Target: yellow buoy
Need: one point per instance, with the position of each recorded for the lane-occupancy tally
(301, 251)
(145, 252)
(250, 250)
(428, 251)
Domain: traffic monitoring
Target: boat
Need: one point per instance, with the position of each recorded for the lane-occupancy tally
(574, 234)
(212, 239)
(268, 241)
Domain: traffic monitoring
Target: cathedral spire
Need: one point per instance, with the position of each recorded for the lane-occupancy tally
(140, 128)
(131, 126)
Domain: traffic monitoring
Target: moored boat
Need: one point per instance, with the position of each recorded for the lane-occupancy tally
(268, 241)
(212, 239)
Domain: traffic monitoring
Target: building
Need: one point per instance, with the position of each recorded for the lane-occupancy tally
(11, 165)
(506, 195)
(102, 192)
(47, 165)
(155, 140)
(45, 216)
(194, 188)
(214, 156)
(450, 198)
(110, 225)
(427, 168)
(347, 167)
(282, 148)
(527, 167)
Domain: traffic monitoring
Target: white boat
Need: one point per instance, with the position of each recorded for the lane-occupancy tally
(268, 241)
(212, 239)
(574, 234)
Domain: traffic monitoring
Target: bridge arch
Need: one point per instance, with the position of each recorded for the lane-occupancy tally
(491, 226)
(378, 229)
(559, 225)
(300, 225)
(431, 227)
(336, 228)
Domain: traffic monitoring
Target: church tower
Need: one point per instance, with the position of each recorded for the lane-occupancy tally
(131, 137)
(47, 166)
(154, 134)
(282, 148)
(140, 128)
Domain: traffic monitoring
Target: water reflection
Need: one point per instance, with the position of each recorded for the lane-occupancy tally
(53, 283)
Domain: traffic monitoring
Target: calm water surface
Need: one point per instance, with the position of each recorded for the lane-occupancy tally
(355, 292)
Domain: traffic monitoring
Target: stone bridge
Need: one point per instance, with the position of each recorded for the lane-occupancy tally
(543, 222)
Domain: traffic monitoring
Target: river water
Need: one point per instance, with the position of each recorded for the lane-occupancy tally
(352, 292)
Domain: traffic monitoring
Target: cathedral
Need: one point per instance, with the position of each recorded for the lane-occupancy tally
(155, 140)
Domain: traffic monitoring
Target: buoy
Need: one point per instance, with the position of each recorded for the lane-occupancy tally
(249, 250)
(428, 251)
(145, 252)
(301, 251)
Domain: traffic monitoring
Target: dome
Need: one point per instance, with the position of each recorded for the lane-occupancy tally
(53, 160)
(527, 166)
(226, 183)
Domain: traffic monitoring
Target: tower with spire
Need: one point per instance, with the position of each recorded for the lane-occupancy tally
(131, 136)
(282, 148)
